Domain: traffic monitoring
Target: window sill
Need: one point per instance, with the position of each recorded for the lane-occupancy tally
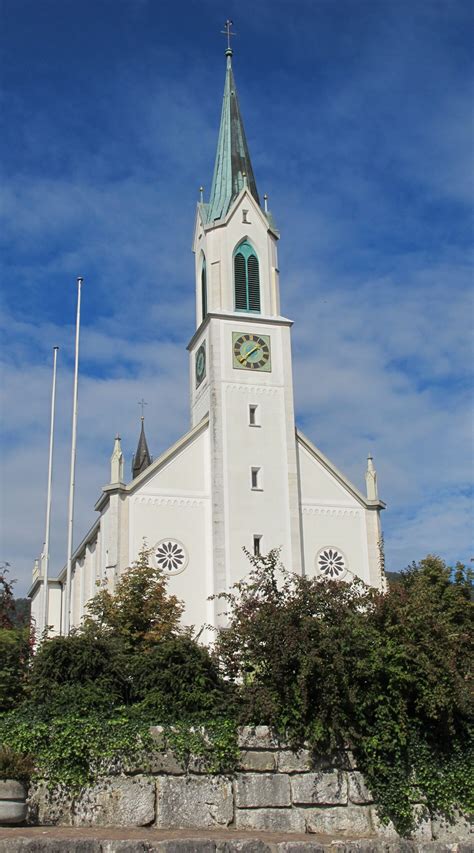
(256, 489)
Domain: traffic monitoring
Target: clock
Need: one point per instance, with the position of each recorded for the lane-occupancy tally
(251, 352)
(200, 364)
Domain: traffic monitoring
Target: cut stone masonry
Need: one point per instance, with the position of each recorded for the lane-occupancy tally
(273, 789)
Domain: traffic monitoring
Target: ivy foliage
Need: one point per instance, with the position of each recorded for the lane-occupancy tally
(339, 664)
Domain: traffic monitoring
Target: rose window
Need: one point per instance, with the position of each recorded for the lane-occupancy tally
(331, 564)
(170, 556)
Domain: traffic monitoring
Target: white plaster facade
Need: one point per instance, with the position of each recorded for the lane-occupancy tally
(200, 493)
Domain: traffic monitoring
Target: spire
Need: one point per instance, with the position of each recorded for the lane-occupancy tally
(371, 480)
(233, 169)
(116, 462)
(142, 458)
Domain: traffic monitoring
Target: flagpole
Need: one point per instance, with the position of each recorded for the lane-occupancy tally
(67, 615)
(48, 498)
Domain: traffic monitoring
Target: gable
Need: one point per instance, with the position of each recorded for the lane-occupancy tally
(183, 469)
(320, 481)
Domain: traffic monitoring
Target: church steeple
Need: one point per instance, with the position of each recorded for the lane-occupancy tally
(142, 458)
(233, 168)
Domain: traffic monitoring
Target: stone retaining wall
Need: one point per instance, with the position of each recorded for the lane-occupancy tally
(273, 789)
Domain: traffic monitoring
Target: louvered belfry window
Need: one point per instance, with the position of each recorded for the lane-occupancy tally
(203, 288)
(246, 278)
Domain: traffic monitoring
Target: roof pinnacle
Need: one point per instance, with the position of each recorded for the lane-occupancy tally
(233, 169)
(227, 31)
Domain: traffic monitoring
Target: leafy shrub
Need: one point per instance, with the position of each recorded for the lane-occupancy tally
(177, 679)
(337, 664)
(15, 654)
(140, 610)
(98, 664)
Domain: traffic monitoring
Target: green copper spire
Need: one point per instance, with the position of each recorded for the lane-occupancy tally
(233, 169)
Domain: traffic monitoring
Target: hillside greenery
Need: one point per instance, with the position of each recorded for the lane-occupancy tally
(335, 665)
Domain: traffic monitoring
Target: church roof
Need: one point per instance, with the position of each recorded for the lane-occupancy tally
(233, 168)
(142, 458)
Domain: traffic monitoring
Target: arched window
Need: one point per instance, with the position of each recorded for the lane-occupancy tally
(246, 278)
(203, 288)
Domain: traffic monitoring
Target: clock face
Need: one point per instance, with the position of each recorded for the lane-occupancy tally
(200, 365)
(251, 352)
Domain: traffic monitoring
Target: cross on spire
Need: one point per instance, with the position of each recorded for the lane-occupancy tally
(227, 31)
(142, 403)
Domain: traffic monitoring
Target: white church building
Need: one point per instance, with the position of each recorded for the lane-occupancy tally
(243, 475)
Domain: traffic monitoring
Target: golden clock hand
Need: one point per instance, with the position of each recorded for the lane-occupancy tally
(247, 354)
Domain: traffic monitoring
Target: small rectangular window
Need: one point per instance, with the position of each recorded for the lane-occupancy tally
(256, 545)
(255, 478)
(253, 415)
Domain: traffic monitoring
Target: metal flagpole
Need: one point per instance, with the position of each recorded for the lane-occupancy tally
(67, 615)
(48, 498)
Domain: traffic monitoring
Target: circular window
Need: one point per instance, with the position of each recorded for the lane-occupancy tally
(170, 556)
(331, 564)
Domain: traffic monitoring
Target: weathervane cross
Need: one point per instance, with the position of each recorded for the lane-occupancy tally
(142, 403)
(228, 32)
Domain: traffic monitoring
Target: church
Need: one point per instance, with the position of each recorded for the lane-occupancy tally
(243, 476)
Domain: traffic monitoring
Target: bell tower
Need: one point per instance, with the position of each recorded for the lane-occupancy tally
(240, 362)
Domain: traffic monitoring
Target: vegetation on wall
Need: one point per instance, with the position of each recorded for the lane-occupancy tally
(333, 664)
(340, 664)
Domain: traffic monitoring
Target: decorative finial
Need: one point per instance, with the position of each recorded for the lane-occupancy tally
(371, 479)
(201, 194)
(143, 403)
(265, 199)
(244, 176)
(116, 462)
(227, 31)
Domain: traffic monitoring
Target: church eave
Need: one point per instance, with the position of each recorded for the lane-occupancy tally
(262, 319)
(90, 535)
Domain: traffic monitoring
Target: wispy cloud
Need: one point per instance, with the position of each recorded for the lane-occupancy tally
(357, 118)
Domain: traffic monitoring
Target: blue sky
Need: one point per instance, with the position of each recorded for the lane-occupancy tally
(359, 119)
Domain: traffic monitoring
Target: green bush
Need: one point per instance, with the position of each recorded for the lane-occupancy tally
(339, 664)
(14, 659)
(177, 679)
(81, 666)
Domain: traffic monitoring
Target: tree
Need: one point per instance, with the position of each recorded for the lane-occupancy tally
(140, 610)
(339, 664)
(15, 647)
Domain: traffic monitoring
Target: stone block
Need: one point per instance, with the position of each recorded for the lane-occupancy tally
(257, 760)
(358, 790)
(257, 737)
(244, 845)
(259, 790)
(196, 802)
(164, 762)
(294, 762)
(118, 801)
(339, 820)
(49, 807)
(387, 831)
(461, 829)
(275, 820)
(322, 788)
